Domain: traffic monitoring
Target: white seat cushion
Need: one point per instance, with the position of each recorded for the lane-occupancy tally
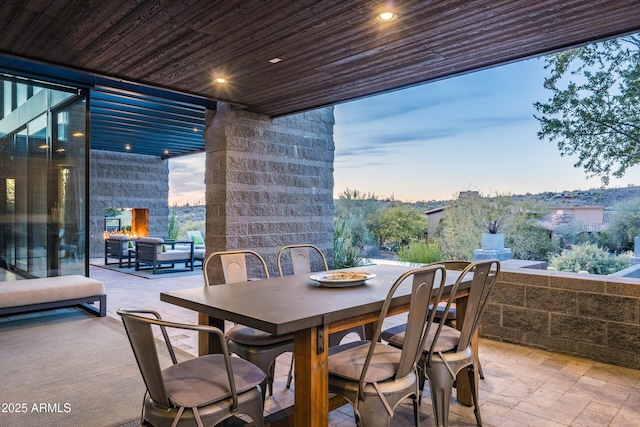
(48, 289)
(173, 255)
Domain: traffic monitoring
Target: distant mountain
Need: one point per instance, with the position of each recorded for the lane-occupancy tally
(606, 197)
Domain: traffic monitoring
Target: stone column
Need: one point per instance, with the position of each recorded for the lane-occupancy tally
(269, 182)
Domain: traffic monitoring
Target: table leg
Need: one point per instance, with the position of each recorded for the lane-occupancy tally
(205, 344)
(463, 386)
(311, 378)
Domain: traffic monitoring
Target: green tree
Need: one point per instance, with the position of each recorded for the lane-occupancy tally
(524, 234)
(460, 231)
(593, 110)
(400, 224)
(624, 226)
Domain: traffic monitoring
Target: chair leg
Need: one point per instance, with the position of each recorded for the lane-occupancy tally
(474, 396)
(441, 384)
(480, 374)
(421, 381)
(290, 376)
(270, 377)
(416, 409)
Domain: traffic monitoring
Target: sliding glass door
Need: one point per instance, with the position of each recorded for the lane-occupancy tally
(43, 161)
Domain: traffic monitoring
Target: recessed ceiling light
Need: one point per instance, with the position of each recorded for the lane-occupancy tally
(127, 147)
(60, 150)
(275, 60)
(386, 16)
(77, 134)
(220, 80)
(43, 146)
(166, 151)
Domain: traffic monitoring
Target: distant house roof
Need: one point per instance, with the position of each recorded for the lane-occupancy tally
(436, 210)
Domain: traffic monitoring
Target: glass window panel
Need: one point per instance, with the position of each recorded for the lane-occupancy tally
(42, 184)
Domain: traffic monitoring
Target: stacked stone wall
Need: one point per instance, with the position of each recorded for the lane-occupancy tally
(126, 180)
(597, 317)
(269, 181)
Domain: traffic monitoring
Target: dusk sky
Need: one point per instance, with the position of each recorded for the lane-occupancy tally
(473, 132)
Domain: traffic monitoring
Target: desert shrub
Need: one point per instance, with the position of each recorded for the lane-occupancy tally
(358, 210)
(174, 227)
(420, 252)
(344, 253)
(591, 258)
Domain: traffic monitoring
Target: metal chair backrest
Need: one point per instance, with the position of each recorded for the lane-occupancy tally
(300, 258)
(143, 344)
(427, 286)
(485, 274)
(234, 265)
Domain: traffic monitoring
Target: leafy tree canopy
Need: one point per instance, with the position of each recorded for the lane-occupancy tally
(594, 110)
(400, 224)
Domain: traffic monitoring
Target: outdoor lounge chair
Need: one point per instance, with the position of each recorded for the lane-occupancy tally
(117, 246)
(196, 237)
(161, 256)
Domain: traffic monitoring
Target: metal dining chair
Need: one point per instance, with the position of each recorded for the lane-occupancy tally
(301, 263)
(375, 377)
(259, 347)
(204, 390)
(455, 265)
(445, 355)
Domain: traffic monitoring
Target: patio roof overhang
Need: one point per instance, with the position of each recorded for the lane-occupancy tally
(284, 56)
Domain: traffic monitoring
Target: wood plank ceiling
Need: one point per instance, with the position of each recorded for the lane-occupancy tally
(331, 51)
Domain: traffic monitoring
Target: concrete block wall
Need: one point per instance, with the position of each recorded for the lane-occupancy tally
(126, 180)
(597, 317)
(269, 181)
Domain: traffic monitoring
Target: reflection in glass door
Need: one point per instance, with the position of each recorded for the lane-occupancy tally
(43, 158)
(69, 175)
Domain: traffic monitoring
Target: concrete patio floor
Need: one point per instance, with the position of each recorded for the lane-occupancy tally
(522, 386)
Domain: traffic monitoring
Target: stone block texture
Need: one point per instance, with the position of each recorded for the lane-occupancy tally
(269, 182)
(596, 317)
(126, 180)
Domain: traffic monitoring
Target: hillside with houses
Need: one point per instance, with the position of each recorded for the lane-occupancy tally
(605, 198)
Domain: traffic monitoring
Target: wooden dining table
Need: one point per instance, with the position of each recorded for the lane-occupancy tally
(310, 311)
